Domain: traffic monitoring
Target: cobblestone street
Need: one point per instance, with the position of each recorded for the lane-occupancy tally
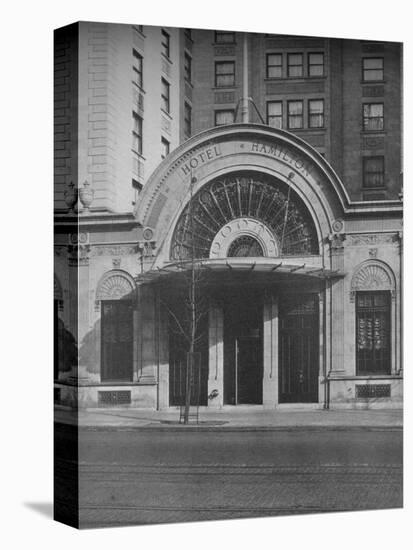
(138, 477)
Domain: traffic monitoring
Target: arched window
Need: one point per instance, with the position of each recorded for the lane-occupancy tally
(372, 288)
(116, 292)
(245, 195)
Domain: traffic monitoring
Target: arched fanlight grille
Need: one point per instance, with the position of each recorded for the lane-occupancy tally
(245, 246)
(238, 195)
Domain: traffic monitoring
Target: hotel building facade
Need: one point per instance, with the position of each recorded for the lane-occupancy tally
(271, 167)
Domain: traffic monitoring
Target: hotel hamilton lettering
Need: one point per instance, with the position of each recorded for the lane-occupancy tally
(282, 154)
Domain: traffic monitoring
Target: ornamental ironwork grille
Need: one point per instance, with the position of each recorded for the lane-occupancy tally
(239, 195)
(373, 332)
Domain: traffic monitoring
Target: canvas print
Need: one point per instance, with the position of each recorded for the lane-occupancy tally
(228, 274)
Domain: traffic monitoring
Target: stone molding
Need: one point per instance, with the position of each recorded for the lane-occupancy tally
(115, 285)
(372, 275)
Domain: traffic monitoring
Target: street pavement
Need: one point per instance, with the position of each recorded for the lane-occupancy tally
(153, 475)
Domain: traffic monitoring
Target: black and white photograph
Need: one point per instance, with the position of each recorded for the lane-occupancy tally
(225, 217)
(228, 274)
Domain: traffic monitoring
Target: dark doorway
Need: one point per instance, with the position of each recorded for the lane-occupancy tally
(298, 349)
(117, 340)
(243, 369)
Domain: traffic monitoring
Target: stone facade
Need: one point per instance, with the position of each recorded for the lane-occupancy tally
(113, 247)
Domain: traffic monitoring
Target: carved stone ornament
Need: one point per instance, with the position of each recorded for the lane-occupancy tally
(147, 249)
(372, 275)
(79, 254)
(337, 240)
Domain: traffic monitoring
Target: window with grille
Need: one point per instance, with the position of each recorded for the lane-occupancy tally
(137, 69)
(224, 117)
(188, 68)
(165, 146)
(274, 65)
(117, 340)
(165, 44)
(187, 119)
(373, 116)
(373, 332)
(295, 114)
(275, 114)
(295, 65)
(165, 95)
(373, 69)
(316, 113)
(224, 37)
(315, 64)
(137, 138)
(373, 172)
(224, 73)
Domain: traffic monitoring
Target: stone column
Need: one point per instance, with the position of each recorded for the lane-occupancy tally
(270, 353)
(147, 373)
(216, 356)
(337, 305)
(163, 357)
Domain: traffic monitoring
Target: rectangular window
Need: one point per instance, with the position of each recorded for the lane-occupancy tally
(373, 116)
(316, 113)
(373, 332)
(315, 64)
(224, 117)
(275, 114)
(187, 119)
(224, 73)
(224, 37)
(274, 65)
(295, 114)
(137, 69)
(137, 137)
(165, 44)
(116, 340)
(295, 65)
(188, 68)
(164, 148)
(188, 33)
(165, 95)
(373, 69)
(373, 172)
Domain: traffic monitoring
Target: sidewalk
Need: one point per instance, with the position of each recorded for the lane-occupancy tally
(234, 419)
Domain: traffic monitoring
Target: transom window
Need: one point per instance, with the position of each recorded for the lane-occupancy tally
(295, 114)
(316, 113)
(224, 117)
(275, 114)
(224, 37)
(165, 95)
(373, 171)
(373, 332)
(373, 116)
(240, 195)
(245, 246)
(295, 65)
(224, 73)
(274, 65)
(373, 69)
(315, 64)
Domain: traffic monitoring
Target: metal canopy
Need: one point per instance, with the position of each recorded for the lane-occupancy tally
(240, 265)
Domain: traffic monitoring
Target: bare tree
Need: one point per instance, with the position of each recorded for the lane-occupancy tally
(192, 290)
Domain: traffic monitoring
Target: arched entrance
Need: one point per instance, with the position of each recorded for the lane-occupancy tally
(250, 210)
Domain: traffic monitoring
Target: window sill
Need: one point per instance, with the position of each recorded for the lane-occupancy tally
(139, 155)
(168, 59)
(229, 88)
(363, 82)
(138, 87)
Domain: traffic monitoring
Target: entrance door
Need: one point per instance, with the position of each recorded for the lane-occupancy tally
(248, 371)
(298, 349)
